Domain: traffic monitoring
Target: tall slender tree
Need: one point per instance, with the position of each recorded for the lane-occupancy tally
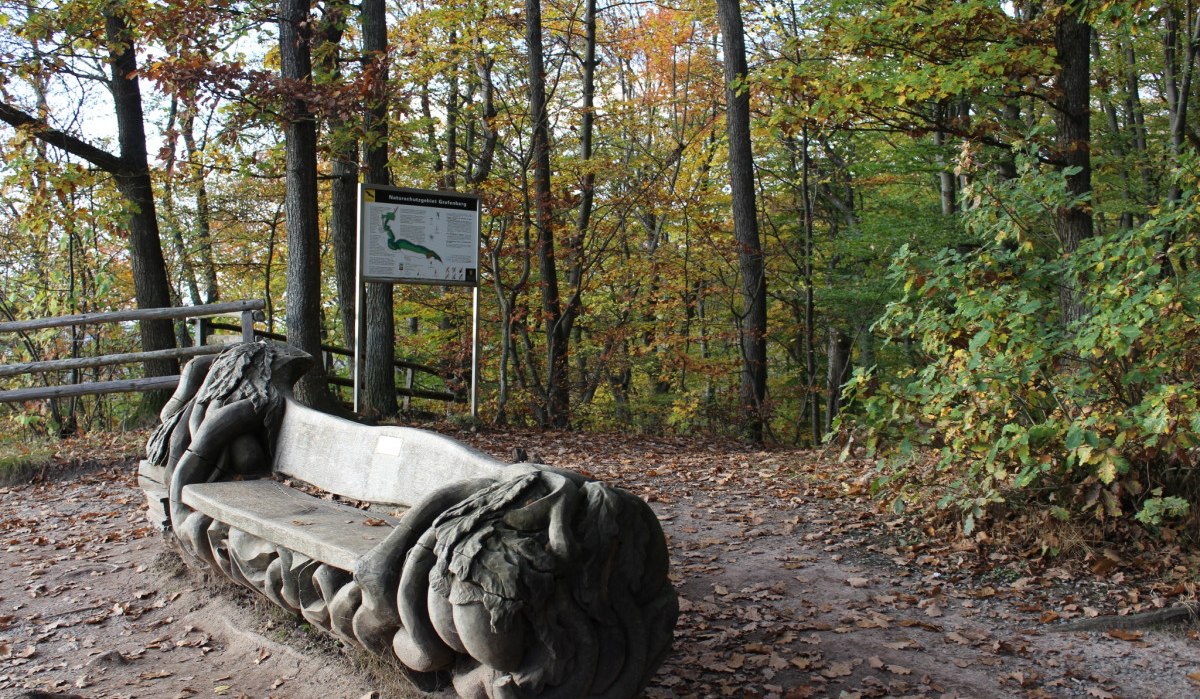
(342, 130)
(300, 199)
(379, 373)
(745, 219)
(558, 395)
(1073, 224)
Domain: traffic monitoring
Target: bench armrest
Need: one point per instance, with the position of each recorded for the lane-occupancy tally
(533, 584)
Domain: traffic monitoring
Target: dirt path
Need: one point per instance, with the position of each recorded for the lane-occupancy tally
(92, 604)
(784, 594)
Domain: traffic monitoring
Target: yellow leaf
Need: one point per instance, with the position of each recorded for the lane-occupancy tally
(1107, 472)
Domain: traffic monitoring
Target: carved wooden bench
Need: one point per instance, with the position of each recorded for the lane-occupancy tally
(521, 580)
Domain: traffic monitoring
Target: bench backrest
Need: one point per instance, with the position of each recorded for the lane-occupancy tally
(385, 464)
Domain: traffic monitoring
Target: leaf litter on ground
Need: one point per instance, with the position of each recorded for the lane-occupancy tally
(793, 582)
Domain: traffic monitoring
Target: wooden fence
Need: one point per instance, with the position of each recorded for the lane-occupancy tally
(410, 369)
(249, 310)
(246, 309)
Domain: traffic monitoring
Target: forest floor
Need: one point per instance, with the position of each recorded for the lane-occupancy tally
(792, 585)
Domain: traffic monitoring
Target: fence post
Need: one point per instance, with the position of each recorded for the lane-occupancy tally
(248, 326)
(202, 332)
(408, 383)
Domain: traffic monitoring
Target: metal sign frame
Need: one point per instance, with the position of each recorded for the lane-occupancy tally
(416, 236)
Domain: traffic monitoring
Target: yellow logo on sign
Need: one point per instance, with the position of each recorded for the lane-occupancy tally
(369, 195)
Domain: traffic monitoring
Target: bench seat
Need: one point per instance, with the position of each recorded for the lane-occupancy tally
(520, 580)
(326, 531)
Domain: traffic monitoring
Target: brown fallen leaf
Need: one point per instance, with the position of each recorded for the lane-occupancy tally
(838, 669)
(263, 654)
(1123, 635)
(899, 670)
(374, 522)
(1194, 677)
(857, 582)
(155, 674)
(874, 662)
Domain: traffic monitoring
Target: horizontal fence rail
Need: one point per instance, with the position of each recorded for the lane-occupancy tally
(105, 360)
(138, 314)
(333, 349)
(246, 309)
(89, 388)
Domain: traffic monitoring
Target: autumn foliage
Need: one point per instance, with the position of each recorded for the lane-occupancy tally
(1011, 295)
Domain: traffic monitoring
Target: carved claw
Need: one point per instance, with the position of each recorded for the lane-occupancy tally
(553, 512)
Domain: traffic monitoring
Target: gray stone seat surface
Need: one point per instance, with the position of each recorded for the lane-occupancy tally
(327, 531)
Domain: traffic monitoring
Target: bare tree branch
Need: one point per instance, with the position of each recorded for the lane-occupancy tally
(72, 144)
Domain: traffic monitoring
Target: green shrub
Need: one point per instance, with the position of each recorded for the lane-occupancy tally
(1005, 406)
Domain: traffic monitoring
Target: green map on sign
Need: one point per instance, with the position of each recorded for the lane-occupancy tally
(395, 243)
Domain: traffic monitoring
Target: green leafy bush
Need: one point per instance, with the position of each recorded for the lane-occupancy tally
(1005, 405)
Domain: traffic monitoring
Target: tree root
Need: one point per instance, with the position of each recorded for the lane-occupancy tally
(1188, 612)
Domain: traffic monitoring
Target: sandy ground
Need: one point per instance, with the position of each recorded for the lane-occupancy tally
(783, 595)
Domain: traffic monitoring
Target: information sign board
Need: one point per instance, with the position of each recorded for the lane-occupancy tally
(418, 236)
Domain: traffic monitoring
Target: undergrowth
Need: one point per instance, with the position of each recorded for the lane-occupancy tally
(1013, 414)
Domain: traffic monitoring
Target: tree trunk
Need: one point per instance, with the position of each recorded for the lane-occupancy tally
(343, 231)
(379, 371)
(838, 372)
(300, 203)
(343, 184)
(133, 180)
(558, 396)
(203, 226)
(1073, 224)
(947, 181)
(449, 180)
(811, 400)
(1119, 151)
(187, 271)
(482, 167)
(1178, 77)
(745, 220)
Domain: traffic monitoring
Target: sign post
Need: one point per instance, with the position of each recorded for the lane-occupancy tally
(417, 236)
